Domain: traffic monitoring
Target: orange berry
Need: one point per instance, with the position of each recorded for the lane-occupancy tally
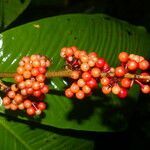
(6, 100)
(116, 89)
(69, 93)
(14, 88)
(27, 103)
(74, 88)
(106, 89)
(145, 89)
(11, 94)
(86, 89)
(18, 98)
(105, 81)
(13, 106)
(123, 57)
(144, 65)
(75, 75)
(30, 111)
(20, 70)
(95, 72)
(85, 67)
(28, 66)
(27, 74)
(18, 78)
(81, 82)
(80, 95)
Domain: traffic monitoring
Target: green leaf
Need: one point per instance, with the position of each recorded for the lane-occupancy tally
(10, 10)
(16, 135)
(100, 33)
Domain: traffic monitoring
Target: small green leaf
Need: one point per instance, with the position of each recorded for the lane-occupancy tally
(100, 33)
(10, 10)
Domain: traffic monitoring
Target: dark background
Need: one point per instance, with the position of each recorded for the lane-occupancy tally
(137, 12)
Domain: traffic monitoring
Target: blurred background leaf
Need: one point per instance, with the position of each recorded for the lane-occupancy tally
(10, 10)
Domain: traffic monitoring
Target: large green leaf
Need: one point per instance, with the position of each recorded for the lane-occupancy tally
(10, 10)
(20, 136)
(100, 33)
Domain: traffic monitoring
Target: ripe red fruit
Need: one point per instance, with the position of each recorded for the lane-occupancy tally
(120, 71)
(126, 82)
(41, 106)
(123, 93)
(100, 63)
(30, 111)
(92, 83)
(45, 89)
(86, 76)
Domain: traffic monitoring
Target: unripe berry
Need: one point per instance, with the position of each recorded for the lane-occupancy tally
(145, 89)
(85, 67)
(105, 81)
(144, 65)
(116, 89)
(6, 100)
(86, 89)
(75, 75)
(74, 88)
(81, 82)
(132, 65)
(106, 89)
(123, 57)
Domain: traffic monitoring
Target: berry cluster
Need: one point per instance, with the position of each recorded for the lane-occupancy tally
(29, 90)
(89, 70)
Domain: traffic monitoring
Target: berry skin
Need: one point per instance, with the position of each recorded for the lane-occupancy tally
(100, 63)
(120, 71)
(123, 57)
(144, 65)
(106, 89)
(116, 89)
(21, 106)
(37, 93)
(45, 89)
(11, 94)
(18, 78)
(86, 76)
(85, 67)
(86, 89)
(30, 111)
(13, 106)
(36, 85)
(81, 82)
(69, 52)
(95, 72)
(123, 93)
(35, 72)
(18, 98)
(41, 78)
(27, 74)
(69, 93)
(145, 89)
(74, 88)
(14, 88)
(92, 83)
(20, 70)
(42, 70)
(105, 81)
(27, 103)
(126, 82)
(75, 75)
(41, 106)
(80, 95)
(132, 65)
(6, 100)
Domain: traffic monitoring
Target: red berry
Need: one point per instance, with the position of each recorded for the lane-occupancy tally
(31, 111)
(41, 106)
(126, 82)
(42, 70)
(37, 93)
(45, 89)
(18, 78)
(92, 83)
(86, 76)
(100, 63)
(123, 93)
(120, 71)
(74, 88)
(41, 78)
